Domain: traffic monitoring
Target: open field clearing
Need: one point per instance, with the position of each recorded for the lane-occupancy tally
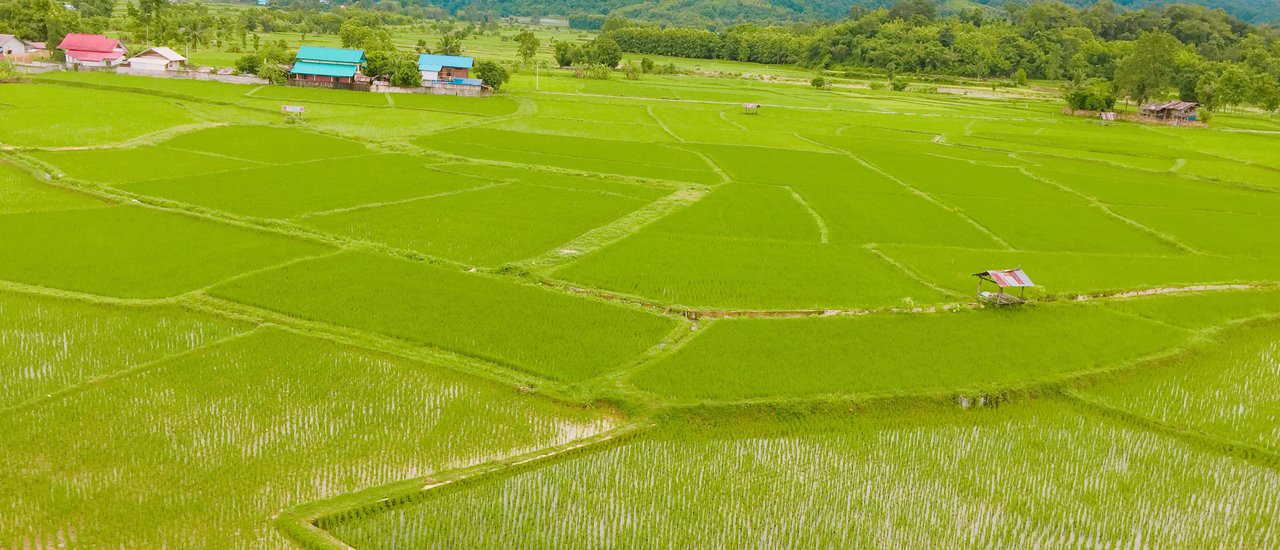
(23, 193)
(639, 160)
(201, 450)
(134, 252)
(287, 191)
(487, 225)
(119, 166)
(628, 313)
(1016, 476)
(882, 354)
(58, 116)
(484, 317)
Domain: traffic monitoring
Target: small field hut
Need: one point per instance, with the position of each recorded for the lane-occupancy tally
(1175, 111)
(1002, 279)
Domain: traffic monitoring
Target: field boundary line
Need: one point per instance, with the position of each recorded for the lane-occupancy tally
(910, 272)
(124, 373)
(715, 166)
(616, 379)
(172, 96)
(64, 294)
(216, 155)
(725, 118)
(1221, 445)
(359, 207)
(429, 354)
(1094, 202)
(817, 218)
(250, 273)
(661, 124)
(304, 524)
(604, 235)
(459, 159)
(920, 193)
(150, 138)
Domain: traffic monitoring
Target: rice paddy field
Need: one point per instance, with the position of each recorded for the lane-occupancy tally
(626, 314)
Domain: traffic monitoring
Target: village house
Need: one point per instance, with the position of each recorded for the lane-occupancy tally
(158, 58)
(326, 67)
(1175, 111)
(444, 68)
(92, 50)
(14, 47)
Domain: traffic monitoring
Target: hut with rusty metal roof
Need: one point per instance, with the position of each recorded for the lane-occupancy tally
(1177, 111)
(1002, 279)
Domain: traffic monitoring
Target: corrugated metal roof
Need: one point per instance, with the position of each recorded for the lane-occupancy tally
(456, 61)
(93, 56)
(330, 55)
(323, 69)
(467, 82)
(1172, 105)
(1006, 277)
(164, 52)
(430, 68)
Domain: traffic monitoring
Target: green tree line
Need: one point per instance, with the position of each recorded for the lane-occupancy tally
(1200, 54)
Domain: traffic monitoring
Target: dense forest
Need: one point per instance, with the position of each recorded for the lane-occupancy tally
(1201, 54)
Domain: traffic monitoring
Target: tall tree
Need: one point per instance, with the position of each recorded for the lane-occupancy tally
(527, 45)
(1148, 71)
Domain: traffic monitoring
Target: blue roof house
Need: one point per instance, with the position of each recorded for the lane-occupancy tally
(444, 67)
(331, 66)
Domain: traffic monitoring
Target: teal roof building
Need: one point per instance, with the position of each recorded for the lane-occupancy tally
(313, 61)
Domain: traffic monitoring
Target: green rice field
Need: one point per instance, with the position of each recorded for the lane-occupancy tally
(627, 314)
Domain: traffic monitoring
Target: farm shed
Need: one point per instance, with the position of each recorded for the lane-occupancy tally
(92, 50)
(158, 58)
(1004, 278)
(444, 68)
(326, 67)
(1173, 110)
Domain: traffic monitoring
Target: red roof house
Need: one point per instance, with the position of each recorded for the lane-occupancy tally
(92, 50)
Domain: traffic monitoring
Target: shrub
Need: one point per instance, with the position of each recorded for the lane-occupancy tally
(598, 71)
(898, 84)
(8, 70)
(492, 74)
(631, 70)
(406, 76)
(818, 82)
(273, 74)
(248, 64)
(1020, 77)
(646, 65)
